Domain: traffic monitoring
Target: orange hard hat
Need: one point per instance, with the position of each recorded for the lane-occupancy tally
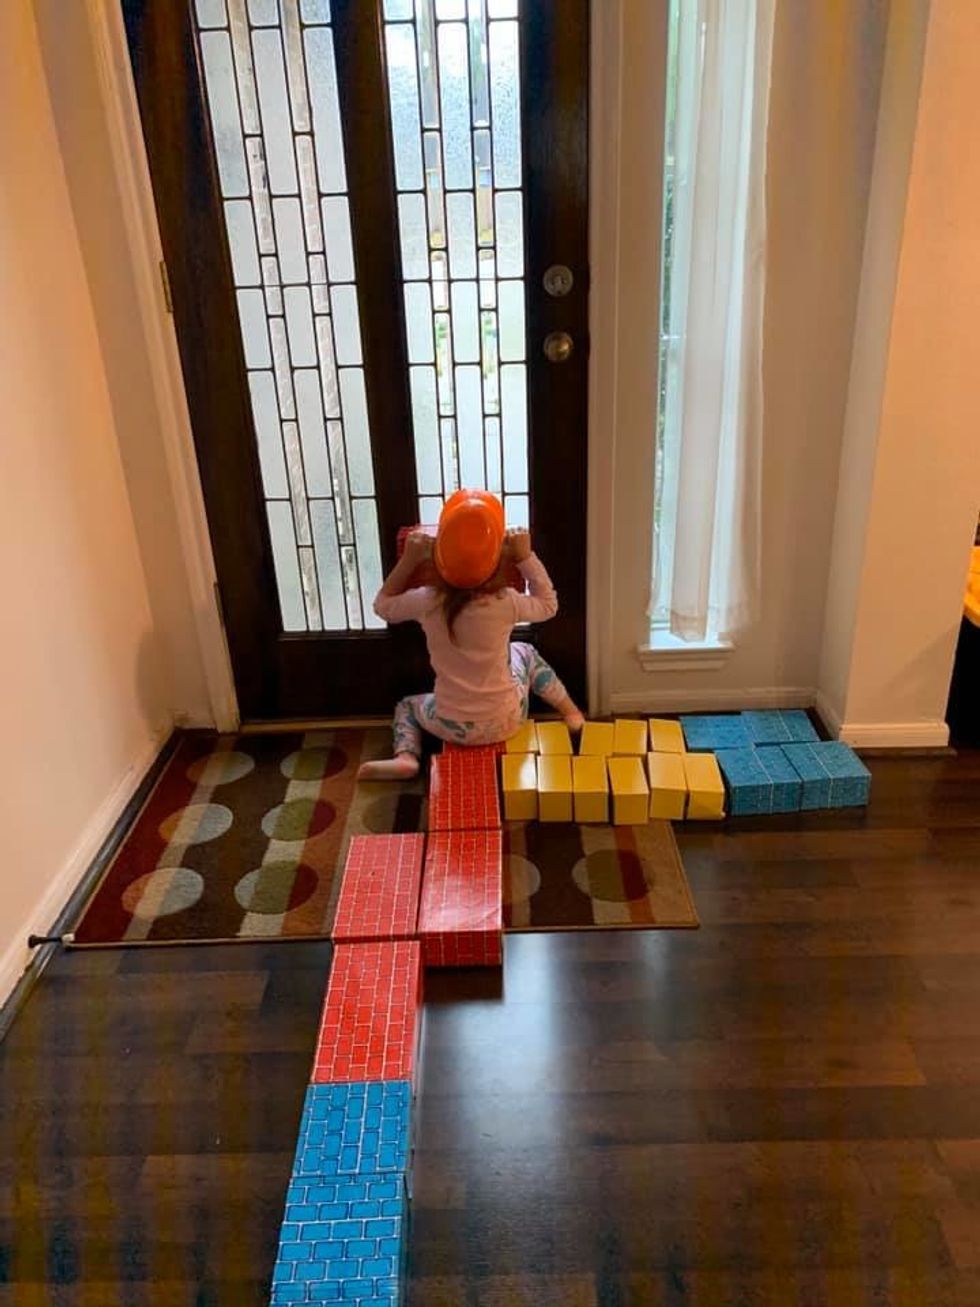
(469, 539)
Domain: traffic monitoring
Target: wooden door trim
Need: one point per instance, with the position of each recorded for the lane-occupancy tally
(124, 131)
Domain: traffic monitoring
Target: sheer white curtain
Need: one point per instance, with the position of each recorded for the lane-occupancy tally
(706, 544)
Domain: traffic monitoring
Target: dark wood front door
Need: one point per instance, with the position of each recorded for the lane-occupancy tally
(359, 201)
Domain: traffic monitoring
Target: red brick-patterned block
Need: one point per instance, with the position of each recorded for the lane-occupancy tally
(463, 791)
(476, 750)
(379, 896)
(461, 914)
(369, 1026)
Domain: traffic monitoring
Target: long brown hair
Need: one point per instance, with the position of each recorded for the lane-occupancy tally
(454, 601)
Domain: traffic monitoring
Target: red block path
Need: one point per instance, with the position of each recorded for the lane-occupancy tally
(463, 791)
(369, 1026)
(461, 913)
(379, 896)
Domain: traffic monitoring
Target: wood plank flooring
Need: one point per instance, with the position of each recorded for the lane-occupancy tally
(779, 1110)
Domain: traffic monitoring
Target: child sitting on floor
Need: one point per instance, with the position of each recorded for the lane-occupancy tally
(483, 681)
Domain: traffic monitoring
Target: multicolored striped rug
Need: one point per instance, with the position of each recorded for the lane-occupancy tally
(243, 837)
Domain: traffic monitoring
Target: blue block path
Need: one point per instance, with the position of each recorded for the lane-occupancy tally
(813, 776)
(358, 1129)
(787, 788)
(747, 782)
(850, 780)
(342, 1241)
(779, 726)
(708, 733)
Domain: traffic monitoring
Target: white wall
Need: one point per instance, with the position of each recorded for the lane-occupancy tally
(84, 696)
(827, 66)
(910, 476)
(74, 38)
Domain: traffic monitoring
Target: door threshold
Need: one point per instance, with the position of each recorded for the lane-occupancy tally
(284, 725)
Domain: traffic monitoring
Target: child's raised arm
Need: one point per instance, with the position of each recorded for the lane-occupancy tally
(541, 602)
(393, 603)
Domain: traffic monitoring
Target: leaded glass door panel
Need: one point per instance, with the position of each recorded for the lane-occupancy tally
(358, 200)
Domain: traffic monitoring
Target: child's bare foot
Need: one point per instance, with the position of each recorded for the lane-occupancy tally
(403, 767)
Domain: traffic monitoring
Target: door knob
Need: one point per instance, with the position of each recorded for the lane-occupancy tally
(558, 347)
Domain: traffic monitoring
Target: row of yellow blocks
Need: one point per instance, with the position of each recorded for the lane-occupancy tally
(541, 779)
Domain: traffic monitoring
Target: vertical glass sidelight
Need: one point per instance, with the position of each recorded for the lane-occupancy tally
(454, 100)
(271, 85)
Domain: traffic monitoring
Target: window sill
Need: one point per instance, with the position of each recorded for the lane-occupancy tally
(666, 652)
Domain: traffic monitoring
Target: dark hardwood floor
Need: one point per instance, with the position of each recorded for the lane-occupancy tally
(779, 1110)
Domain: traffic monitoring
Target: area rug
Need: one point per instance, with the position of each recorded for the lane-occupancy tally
(243, 837)
(566, 877)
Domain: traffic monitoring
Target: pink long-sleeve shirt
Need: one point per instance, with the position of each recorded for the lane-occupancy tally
(473, 677)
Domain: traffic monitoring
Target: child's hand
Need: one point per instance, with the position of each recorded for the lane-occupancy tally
(418, 548)
(518, 542)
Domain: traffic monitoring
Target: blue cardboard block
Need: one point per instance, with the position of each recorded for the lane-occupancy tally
(787, 788)
(813, 775)
(355, 1129)
(850, 780)
(748, 784)
(337, 1258)
(778, 726)
(708, 733)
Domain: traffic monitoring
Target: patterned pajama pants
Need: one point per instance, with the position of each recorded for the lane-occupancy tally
(417, 713)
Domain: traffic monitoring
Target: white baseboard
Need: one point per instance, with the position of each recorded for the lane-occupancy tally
(895, 735)
(38, 921)
(828, 714)
(659, 700)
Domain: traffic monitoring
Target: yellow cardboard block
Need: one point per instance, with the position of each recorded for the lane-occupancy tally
(519, 781)
(596, 740)
(630, 737)
(554, 787)
(590, 787)
(706, 800)
(553, 737)
(668, 786)
(631, 797)
(666, 736)
(525, 740)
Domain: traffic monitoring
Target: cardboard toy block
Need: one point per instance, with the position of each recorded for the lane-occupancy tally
(850, 780)
(668, 786)
(463, 792)
(747, 782)
(596, 740)
(342, 1240)
(666, 736)
(706, 791)
(630, 738)
(519, 783)
(707, 733)
(631, 794)
(369, 1024)
(492, 751)
(553, 738)
(554, 787)
(787, 788)
(814, 779)
(461, 913)
(590, 789)
(379, 894)
(778, 727)
(356, 1129)
(525, 740)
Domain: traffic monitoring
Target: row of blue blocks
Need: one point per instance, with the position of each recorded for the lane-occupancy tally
(345, 1232)
(714, 731)
(788, 777)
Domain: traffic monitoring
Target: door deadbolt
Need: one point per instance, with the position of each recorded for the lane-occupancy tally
(558, 280)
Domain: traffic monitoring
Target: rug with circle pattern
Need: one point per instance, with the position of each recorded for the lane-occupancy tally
(243, 837)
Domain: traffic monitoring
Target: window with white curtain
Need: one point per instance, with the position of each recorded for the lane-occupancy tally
(709, 423)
